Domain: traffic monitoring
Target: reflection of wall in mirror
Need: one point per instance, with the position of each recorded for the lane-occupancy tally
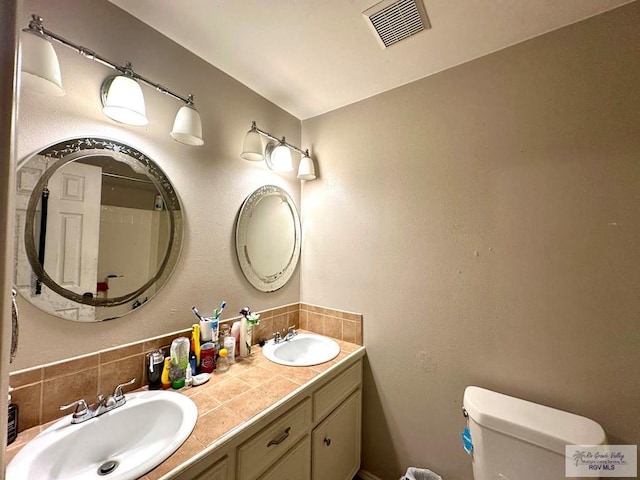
(132, 243)
(122, 193)
(270, 236)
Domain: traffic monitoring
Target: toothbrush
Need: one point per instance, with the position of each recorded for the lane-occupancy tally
(217, 313)
(195, 310)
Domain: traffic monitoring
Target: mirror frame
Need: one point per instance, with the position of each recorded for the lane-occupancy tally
(266, 283)
(67, 151)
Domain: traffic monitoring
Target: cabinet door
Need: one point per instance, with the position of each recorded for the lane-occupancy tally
(336, 442)
(217, 471)
(295, 465)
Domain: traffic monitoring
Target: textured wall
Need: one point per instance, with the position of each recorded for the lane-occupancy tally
(212, 181)
(485, 221)
(8, 116)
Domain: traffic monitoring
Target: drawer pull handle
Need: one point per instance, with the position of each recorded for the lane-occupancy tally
(282, 438)
(327, 441)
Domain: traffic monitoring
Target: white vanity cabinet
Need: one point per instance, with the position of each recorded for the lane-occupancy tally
(336, 442)
(313, 435)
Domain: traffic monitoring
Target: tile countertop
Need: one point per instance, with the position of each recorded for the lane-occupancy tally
(229, 401)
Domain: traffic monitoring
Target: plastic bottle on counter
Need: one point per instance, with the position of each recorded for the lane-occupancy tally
(230, 347)
(222, 365)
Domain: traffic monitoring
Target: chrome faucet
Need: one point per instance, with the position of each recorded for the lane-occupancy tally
(291, 332)
(84, 412)
(279, 338)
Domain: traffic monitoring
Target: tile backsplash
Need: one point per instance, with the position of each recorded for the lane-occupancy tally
(39, 391)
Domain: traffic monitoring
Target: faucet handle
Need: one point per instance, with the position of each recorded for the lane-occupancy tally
(292, 330)
(118, 391)
(277, 337)
(81, 407)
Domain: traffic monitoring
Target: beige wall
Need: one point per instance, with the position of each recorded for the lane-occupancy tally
(212, 181)
(485, 221)
(8, 114)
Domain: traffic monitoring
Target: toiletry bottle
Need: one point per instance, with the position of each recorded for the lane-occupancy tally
(188, 379)
(222, 365)
(12, 423)
(244, 346)
(155, 363)
(166, 384)
(208, 356)
(195, 342)
(179, 361)
(230, 347)
(192, 361)
(235, 332)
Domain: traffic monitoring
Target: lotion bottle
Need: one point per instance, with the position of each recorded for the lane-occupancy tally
(164, 378)
(244, 348)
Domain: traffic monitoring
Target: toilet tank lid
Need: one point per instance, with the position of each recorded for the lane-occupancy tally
(543, 426)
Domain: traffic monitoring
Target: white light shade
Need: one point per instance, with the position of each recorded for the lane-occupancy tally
(123, 101)
(281, 159)
(306, 169)
(40, 67)
(252, 147)
(187, 127)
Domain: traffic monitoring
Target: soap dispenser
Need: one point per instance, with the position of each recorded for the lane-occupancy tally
(12, 424)
(155, 364)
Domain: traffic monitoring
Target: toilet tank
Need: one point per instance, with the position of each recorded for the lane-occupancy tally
(514, 439)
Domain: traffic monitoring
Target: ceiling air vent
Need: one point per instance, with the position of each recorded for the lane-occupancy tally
(395, 20)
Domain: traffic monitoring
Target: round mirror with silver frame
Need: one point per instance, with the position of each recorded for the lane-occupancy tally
(268, 237)
(99, 229)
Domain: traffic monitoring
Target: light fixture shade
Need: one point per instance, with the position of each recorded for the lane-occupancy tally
(187, 127)
(279, 158)
(40, 66)
(252, 149)
(306, 169)
(122, 100)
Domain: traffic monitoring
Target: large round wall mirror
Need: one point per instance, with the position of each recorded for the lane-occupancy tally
(268, 238)
(98, 229)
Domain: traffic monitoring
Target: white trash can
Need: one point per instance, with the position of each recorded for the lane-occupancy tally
(414, 473)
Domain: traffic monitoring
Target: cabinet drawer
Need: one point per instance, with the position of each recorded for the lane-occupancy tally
(333, 393)
(260, 451)
(295, 465)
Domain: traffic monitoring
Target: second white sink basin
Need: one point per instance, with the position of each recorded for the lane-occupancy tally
(303, 350)
(136, 437)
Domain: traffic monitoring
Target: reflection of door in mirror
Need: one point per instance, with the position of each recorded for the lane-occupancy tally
(71, 235)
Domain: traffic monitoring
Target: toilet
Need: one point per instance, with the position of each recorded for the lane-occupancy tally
(514, 439)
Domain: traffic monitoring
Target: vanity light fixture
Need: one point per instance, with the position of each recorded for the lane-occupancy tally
(122, 99)
(121, 95)
(306, 170)
(276, 154)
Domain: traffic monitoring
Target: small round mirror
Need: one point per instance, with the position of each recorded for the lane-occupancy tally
(268, 238)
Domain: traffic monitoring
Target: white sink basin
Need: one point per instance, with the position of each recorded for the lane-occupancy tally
(302, 350)
(139, 436)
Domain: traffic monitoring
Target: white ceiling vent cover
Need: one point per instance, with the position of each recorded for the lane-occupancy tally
(395, 20)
